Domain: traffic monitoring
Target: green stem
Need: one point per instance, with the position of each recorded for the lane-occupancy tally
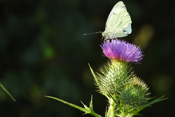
(125, 114)
(111, 109)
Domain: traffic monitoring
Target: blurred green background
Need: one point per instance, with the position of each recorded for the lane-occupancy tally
(43, 52)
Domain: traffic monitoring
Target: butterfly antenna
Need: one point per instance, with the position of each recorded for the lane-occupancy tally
(91, 33)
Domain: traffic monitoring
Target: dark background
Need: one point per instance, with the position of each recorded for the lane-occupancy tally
(43, 52)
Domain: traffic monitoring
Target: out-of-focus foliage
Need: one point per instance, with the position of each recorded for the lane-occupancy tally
(43, 52)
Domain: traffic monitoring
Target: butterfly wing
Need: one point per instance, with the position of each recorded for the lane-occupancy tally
(118, 23)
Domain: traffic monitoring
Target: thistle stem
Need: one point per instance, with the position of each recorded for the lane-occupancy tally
(111, 109)
(125, 114)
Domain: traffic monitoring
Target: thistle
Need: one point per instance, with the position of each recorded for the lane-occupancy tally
(127, 94)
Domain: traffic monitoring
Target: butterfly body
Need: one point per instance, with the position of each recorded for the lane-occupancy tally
(118, 23)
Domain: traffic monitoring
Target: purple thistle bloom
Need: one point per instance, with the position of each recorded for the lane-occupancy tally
(121, 50)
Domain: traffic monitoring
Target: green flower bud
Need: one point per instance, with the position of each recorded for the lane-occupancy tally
(113, 76)
(135, 93)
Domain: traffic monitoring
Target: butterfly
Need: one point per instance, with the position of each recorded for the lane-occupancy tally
(118, 23)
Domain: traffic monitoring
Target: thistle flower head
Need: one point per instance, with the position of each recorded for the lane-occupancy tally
(121, 50)
(112, 77)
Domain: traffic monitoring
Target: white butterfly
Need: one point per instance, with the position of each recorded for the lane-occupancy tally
(118, 23)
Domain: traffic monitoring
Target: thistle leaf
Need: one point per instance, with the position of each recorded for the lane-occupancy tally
(86, 109)
(149, 104)
(97, 81)
(94, 75)
(7, 92)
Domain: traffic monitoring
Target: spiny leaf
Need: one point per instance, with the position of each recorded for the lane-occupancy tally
(91, 103)
(97, 81)
(86, 110)
(7, 92)
(70, 104)
(150, 103)
(94, 75)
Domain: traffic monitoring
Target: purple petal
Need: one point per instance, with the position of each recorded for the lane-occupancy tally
(121, 50)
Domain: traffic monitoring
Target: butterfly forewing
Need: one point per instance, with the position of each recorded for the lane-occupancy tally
(118, 23)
